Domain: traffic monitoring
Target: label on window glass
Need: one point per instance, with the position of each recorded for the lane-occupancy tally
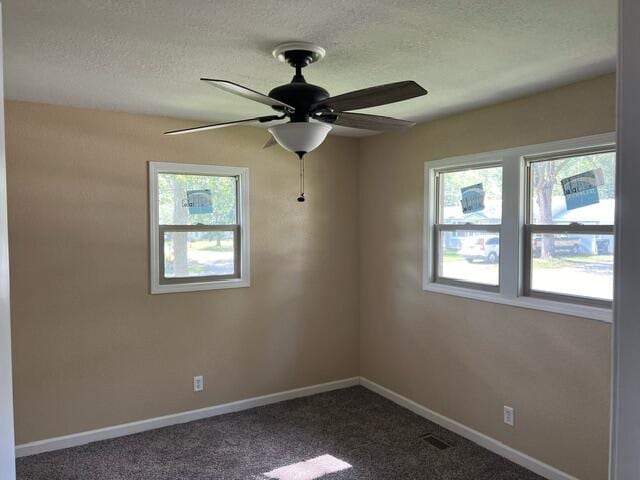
(472, 198)
(582, 189)
(198, 201)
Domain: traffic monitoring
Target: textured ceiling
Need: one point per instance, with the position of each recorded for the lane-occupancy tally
(147, 55)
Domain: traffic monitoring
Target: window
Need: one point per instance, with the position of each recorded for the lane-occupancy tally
(467, 228)
(199, 227)
(530, 226)
(569, 233)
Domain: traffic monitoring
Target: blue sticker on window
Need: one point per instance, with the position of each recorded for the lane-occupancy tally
(582, 189)
(199, 201)
(472, 198)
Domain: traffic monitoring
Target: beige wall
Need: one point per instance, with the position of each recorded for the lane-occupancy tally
(92, 347)
(464, 358)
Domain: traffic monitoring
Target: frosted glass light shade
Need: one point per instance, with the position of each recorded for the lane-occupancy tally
(300, 136)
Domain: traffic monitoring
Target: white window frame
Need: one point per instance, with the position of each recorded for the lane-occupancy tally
(530, 228)
(242, 173)
(438, 227)
(511, 290)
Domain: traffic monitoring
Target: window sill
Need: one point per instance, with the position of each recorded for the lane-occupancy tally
(576, 310)
(196, 287)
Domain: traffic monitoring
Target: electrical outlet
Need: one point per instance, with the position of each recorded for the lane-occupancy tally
(508, 415)
(198, 383)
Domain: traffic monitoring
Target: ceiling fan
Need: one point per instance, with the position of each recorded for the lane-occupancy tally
(310, 109)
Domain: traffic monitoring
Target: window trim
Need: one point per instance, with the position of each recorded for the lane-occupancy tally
(513, 226)
(242, 237)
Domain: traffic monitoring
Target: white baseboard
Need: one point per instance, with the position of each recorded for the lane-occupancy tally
(67, 441)
(481, 439)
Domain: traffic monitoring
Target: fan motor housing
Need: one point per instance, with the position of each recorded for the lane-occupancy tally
(301, 96)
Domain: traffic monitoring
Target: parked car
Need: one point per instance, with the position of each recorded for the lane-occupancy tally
(485, 248)
(561, 243)
(452, 242)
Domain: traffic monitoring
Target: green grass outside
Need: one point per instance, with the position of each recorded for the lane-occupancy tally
(572, 261)
(557, 262)
(212, 245)
(209, 245)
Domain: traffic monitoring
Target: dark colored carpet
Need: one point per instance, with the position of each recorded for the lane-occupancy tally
(376, 438)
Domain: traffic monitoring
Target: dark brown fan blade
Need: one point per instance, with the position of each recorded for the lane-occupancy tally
(367, 122)
(374, 96)
(223, 124)
(270, 143)
(247, 93)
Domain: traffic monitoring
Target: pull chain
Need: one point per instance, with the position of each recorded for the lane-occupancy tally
(301, 197)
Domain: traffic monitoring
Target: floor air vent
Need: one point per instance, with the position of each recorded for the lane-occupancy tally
(435, 441)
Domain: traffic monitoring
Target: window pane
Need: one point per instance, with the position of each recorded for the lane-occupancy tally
(192, 199)
(471, 196)
(573, 264)
(589, 187)
(198, 254)
(470, 256)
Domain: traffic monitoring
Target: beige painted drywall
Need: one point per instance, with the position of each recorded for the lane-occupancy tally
(92, 347)
(463, 358)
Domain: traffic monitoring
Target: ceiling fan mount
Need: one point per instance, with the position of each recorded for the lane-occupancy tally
(299, 94)
(310, 109)
(299, 53)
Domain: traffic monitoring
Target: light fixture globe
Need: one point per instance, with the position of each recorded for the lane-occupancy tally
(300, 137)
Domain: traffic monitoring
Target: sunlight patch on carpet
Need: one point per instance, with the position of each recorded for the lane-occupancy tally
(309, 469)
